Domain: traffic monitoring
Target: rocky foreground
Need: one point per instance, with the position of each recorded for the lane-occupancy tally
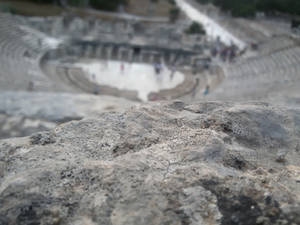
(168, 163)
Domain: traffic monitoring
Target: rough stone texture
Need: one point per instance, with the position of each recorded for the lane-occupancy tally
(167, 163)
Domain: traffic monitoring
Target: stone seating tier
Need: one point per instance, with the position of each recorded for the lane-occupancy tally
(257, 77)
(19, 59)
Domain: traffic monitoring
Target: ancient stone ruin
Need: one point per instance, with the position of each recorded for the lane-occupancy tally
(121, 119)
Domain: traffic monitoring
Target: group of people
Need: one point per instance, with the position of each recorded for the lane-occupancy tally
(227, 54)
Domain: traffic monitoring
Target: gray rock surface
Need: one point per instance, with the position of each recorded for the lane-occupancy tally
(166, 163)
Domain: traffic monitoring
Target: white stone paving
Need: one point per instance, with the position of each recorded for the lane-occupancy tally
(138, 77)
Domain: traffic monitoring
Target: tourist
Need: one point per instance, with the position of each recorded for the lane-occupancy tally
(30, 86)
(122, 67)
(254, 46)
(206, 91)
(96, 90)
(214, 52)
(223, 54)
(157, 68)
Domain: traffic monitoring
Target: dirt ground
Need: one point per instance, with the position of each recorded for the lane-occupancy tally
(144, 8)
(31, 9)
(138, 7)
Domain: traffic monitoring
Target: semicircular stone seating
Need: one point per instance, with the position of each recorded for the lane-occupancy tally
(19, 57)
(59, 65)
(23, 61)
(277, 65)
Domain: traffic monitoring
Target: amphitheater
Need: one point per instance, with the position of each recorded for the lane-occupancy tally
(103, 73)
(65, 54)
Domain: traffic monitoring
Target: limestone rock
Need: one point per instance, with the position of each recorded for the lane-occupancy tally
(165, 163)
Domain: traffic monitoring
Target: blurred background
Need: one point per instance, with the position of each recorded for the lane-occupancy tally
(64, 60)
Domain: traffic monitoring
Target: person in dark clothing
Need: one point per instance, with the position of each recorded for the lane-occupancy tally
(30, 86)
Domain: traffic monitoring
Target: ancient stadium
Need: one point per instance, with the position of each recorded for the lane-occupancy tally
(149, 112)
